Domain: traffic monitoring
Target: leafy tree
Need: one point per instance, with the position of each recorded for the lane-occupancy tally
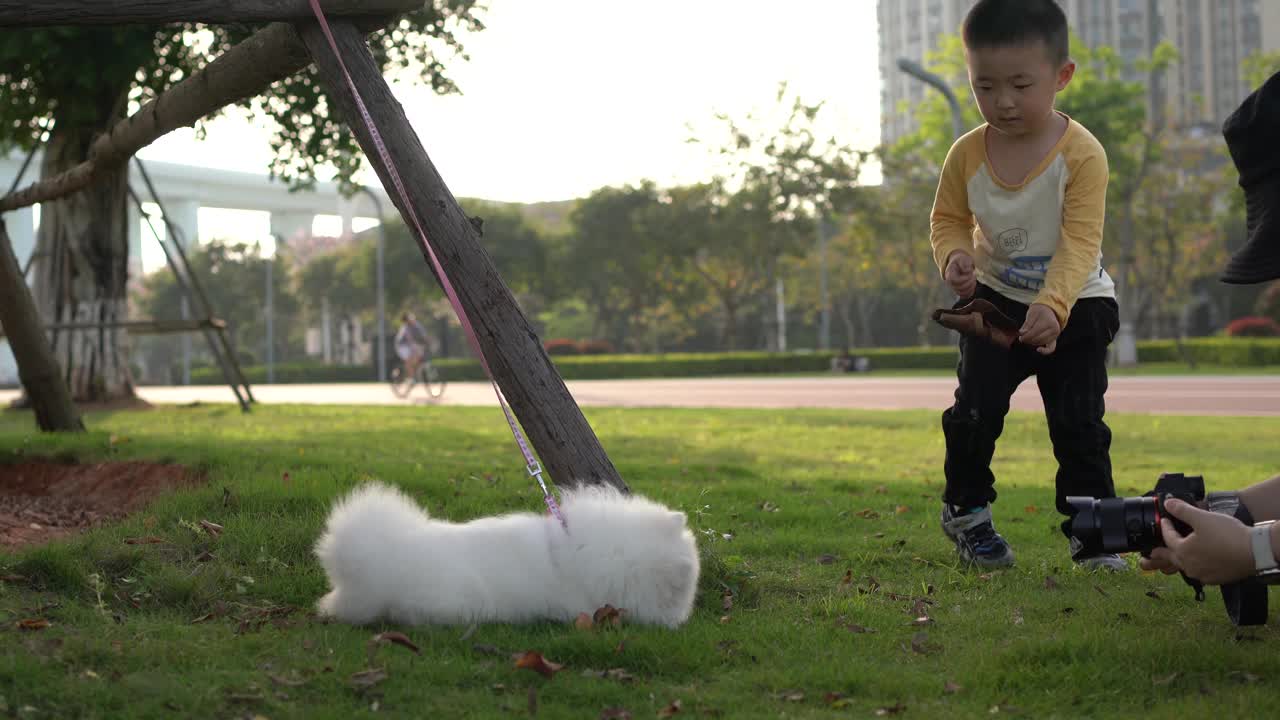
(234, 276)
(614, 258)
(782, 172)
(75, 83)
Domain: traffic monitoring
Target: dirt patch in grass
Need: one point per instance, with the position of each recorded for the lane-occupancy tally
(42, 501)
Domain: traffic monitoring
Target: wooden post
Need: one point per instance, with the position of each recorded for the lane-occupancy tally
(26, 13)
(563, 439)
(46, 388)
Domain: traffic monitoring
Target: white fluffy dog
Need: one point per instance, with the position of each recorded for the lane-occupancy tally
(387, 560)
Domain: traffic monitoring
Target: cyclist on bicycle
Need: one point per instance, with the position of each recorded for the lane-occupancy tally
(411, 343)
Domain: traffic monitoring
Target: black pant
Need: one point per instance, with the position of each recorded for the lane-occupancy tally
(1072, 383)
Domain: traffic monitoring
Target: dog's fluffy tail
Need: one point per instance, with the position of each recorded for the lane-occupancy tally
(360, 529)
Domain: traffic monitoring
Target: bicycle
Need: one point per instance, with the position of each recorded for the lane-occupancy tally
(427, 375)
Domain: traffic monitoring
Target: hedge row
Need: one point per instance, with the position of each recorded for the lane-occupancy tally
(1230, 352)
(1206, 351)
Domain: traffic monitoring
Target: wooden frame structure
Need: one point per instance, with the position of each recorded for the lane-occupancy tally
(565, 442)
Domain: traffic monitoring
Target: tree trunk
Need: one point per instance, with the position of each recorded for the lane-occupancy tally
(1125, 348)
(729, 336)
(46, 390)
(81, 271)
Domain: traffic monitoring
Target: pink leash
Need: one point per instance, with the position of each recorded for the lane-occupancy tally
(531, 463)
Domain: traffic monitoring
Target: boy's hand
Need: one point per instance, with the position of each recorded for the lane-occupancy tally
(960, 275)
(1041, 329)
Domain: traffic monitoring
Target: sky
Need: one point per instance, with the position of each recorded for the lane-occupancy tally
(561, 97)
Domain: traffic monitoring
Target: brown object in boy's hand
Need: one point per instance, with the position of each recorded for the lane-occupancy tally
(979, 318)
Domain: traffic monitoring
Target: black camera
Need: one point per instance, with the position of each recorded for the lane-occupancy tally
(1120, 525)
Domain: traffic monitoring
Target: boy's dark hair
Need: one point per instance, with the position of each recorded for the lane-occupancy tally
(996, 23)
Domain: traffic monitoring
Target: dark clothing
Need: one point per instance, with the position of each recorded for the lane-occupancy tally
(1072, 383)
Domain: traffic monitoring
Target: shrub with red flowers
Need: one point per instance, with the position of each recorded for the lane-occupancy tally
(561, 346)
(595, 347)
(1253, 326)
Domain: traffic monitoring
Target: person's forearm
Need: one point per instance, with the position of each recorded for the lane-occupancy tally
(1263, 500)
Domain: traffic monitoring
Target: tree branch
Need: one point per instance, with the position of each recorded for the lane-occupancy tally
(243, 71)
(25, 13)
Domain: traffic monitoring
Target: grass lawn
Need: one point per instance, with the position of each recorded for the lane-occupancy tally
(822, 525)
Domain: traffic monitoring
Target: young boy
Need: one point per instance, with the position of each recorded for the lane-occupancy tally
(1018, 221)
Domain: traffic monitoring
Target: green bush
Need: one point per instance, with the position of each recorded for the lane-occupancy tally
(1250, 352)
(1233, 352)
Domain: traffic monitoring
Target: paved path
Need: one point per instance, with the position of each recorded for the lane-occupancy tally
(1185, 395)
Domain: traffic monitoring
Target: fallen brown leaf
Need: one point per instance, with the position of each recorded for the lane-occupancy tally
(149, 540)
(33, 624)
(833, 698)
(901, 510)
(894, 709)
(584, 622)
(212, 528)
(867, 514)
(1031, 509)
(951, 688)
(881, 490)
(397, 638)
(533, 660)
(847, 580)
(1101, 592)
(284, 478)
(670, 710)
(1050, 583)
(615, 713)
(366, 679)
(608, 615)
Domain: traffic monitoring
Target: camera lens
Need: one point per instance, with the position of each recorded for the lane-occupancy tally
(1114, 525)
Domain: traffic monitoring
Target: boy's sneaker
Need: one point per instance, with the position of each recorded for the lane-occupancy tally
(1100, 561)
(975, 537)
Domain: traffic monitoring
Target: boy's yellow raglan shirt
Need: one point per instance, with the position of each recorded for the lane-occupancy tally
(1036, 242)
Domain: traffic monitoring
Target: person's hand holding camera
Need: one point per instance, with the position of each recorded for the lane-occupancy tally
(1218, 550)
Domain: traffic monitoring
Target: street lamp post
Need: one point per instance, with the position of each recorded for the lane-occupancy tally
(917, 71)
